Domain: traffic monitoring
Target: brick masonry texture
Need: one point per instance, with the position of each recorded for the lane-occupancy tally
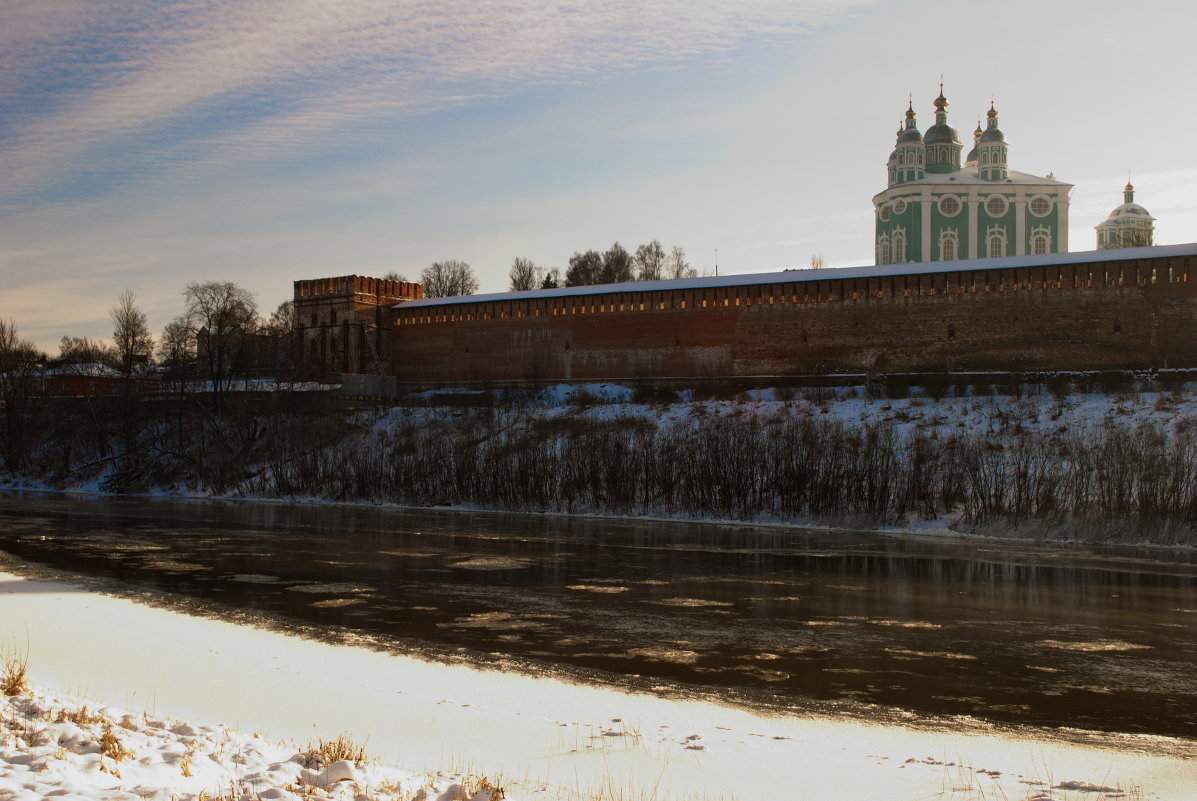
(1136, 313)
(337, 320)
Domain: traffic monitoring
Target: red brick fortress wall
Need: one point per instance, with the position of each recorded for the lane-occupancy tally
(341, 323)
(1133, 310)
(1074, 317)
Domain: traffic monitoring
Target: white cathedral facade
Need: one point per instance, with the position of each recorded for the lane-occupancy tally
(938, 208)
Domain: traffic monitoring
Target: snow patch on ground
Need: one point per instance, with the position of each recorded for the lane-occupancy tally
(58, 746)
(1003, 417)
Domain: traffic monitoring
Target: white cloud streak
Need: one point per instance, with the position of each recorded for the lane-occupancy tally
(286, 73)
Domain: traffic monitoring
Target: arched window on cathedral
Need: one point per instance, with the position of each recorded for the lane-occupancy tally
(948, 246)
(1041, 240)
(899, 247)
(883, 250)
(996, 243)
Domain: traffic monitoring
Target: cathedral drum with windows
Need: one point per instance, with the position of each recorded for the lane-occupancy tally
(1128, 226)
(935, 209)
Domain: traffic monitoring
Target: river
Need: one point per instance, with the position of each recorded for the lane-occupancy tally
(852, 622)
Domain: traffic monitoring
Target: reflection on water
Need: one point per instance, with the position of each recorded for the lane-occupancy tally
(1051, 635)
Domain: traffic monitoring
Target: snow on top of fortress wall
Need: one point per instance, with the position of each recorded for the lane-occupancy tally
(826, 274)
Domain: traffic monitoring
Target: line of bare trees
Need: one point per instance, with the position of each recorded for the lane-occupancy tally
(1134, 482)
(1092, 483)
(616, 265)
(218, 338)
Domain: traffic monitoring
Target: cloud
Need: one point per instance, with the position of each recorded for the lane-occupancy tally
(136, 88)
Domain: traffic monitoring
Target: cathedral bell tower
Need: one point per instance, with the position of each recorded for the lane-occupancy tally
(942, 141)
(992, 150)
(911, 152)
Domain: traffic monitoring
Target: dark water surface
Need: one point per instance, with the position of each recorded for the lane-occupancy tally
(1046, 635)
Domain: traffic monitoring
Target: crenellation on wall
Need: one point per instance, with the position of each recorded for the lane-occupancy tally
(1106, 314)
(342, 323)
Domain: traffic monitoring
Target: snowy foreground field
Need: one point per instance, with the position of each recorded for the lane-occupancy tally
(213, 710)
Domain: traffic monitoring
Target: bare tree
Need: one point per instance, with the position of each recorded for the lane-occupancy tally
(443, 279)
(221, 315)
(280, 328)
(584, 269)
(525, 275)
(650, 261)
(130, 334)
(816, 261)
(677, 266)
(282, 319)
(19, 363)
(392, 275)
(176, 346)
(134, 346)
(81, 350)
(176, 353)
(617, 265)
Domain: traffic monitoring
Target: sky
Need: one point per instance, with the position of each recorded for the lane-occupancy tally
(146, 144)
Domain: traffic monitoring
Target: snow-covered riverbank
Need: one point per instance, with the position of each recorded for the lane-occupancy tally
(538, 738)
(63, 747)
(1091, 466)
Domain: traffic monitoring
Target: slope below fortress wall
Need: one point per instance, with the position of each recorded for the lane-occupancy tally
(1112, 312)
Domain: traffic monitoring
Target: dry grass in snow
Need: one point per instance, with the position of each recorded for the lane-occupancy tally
(14, 670)
(53, 746)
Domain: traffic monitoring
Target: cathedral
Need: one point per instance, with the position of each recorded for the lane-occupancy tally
(1128, 226)
(937, 209)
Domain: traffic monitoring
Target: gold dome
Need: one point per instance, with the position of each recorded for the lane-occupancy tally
(941, 102)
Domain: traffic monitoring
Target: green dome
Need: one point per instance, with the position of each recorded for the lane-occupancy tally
(941, 132)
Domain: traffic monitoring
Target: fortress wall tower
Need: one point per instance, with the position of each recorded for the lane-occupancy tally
(341, 323)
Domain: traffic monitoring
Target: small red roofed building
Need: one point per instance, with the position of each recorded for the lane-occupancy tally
(81, 380)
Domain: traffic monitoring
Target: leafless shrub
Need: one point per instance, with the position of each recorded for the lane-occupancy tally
(112, 747)
(738, 467)
(322, 752)
(14, 673)
(82, 716)
(1116, 482)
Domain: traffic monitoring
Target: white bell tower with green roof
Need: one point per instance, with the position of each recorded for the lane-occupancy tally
(935, 209)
